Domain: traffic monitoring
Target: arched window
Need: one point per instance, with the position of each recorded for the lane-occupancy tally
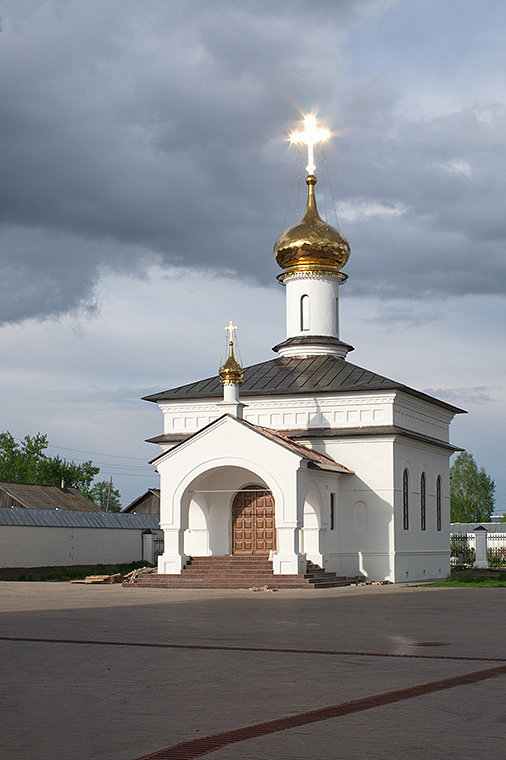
(438, 502)
(405, 500)
(304, 313)
(423, 517)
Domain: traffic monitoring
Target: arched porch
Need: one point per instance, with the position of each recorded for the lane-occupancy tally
(229, 510)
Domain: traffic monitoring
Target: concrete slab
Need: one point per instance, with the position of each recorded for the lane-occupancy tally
(167, 666)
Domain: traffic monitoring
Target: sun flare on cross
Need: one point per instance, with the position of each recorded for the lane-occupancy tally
(310, 136)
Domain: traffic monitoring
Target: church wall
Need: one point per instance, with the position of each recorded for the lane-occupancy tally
(421, 554)
(363, 538)
(339, 411)
(422, 417)
(287, 412)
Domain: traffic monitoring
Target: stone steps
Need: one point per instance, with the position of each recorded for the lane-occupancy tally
(240, 572)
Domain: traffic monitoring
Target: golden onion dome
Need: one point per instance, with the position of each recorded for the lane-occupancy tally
(231, 372)
(311, 244)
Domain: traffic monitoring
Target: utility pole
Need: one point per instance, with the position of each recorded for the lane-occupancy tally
(108, 494)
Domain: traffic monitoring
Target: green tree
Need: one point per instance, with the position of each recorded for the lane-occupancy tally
(98, 494)
(471, 491)
(27, 462)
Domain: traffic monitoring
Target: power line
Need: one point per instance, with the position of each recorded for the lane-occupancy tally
(95, 453)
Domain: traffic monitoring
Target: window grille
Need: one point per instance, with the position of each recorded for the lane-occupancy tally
(304, 313)
(423, 517)
(438, 503)
(405, 500)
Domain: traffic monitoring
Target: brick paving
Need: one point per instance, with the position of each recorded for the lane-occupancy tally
(343, 674)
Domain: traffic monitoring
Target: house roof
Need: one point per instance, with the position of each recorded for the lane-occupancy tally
(313, 458)
(61, 518)
(150, 492)
(297, 375)
(35, 496)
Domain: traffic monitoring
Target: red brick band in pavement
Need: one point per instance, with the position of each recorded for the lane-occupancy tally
(253, 649)
(202, 746)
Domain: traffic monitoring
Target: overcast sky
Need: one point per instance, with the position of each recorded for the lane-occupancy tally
(146, 175)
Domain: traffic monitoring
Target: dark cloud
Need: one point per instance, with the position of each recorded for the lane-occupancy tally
(137, 134)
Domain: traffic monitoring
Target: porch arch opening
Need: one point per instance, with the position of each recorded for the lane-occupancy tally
(208, 505)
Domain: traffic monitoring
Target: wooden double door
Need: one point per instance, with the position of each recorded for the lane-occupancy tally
(253, 526)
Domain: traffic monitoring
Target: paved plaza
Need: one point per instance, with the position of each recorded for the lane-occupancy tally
(367, 673)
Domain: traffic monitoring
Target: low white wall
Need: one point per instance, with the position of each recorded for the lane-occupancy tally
(29, 546)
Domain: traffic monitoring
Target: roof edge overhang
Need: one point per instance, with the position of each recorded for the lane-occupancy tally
(383, 431)
(330, 468)
(295, 434)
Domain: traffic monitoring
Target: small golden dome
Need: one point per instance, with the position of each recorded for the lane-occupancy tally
(231, 372)
(311, 244)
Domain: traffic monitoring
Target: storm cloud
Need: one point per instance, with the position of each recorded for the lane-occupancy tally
(137, 134)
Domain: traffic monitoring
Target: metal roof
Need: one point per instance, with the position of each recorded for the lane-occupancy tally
(492, 527)
(63, 518)
(36, 496)
(315, 457)
(296, 375)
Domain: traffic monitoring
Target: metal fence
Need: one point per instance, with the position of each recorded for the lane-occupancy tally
(463, 547)
(157, 547)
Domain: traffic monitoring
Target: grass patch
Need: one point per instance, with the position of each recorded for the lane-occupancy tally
(468, 578)
(77, 573)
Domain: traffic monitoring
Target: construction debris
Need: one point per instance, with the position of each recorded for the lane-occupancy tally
(131, 577)
(116, 578)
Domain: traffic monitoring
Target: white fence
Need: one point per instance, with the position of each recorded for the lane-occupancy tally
(495, 541)
(51, 538)
(464, 543)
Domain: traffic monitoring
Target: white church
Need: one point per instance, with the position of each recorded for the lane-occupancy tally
(305, 459)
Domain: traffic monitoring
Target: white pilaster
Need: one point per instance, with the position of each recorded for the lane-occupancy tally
(481, 547)
(173, 558)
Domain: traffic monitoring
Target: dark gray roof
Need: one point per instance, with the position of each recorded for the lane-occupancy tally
(492, 527)
(297, 375)
(35, 496)
(62, 518)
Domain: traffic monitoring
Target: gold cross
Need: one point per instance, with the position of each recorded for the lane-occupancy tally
(311, 135)
(231, 327)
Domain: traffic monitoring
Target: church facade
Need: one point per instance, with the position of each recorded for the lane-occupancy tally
(306, 457)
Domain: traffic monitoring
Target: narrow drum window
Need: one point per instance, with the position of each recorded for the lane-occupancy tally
(438, 503)
(423, 518)
(332, 511)
(405, 500)
(304, 313)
